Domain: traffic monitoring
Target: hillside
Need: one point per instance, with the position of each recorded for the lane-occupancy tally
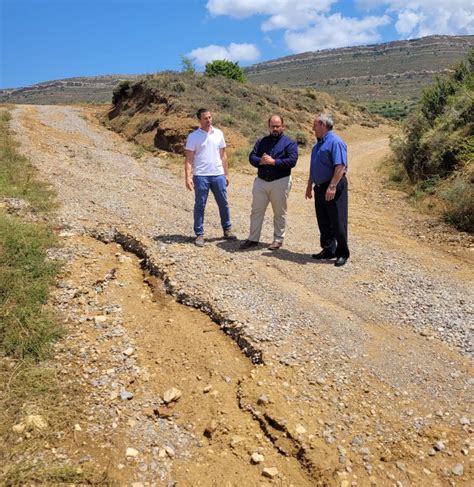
(391, 71)
(395, 71)
(94, 89)
(159, 112)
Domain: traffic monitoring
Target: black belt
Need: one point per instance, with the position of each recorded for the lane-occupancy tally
(269, 179)
(323, 185)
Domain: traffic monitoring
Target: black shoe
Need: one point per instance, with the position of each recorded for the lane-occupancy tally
(340, 261)
(324, 254)
(247, 244)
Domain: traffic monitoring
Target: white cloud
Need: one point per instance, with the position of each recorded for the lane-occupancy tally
(233, 52)
(335, 31)
(288, 14)
(418, 18)
(407, 21)
(309, 24)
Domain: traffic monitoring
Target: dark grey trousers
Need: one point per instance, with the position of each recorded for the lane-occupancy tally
(332, 218)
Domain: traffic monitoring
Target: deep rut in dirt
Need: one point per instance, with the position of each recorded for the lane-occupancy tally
(276, 432)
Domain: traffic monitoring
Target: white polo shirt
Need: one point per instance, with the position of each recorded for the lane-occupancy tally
(206, 147)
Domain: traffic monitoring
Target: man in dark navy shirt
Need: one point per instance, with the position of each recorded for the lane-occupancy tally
(327, 176)
(274, 156)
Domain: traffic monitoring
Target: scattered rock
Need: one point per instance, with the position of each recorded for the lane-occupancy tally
(170, 451)
(270, 472)
(235, 440)
(172, 395)
(257, 458)
(126, 395)
(18, 428)
(300, 429)
(262, 400)
(164, 412)
(458, 470)
(439, 446)
(131, 452)
(149, 412)
(128, 351)
(356, 441)
(210, 429)
(35, 422)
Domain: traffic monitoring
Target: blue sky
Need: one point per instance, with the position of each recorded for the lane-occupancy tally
(43, 40)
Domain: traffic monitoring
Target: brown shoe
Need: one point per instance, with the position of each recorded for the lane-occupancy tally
(275, 245)
(247, 244)
(199, 241)
(228, 235)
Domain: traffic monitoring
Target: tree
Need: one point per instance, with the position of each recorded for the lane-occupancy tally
(187, 65)
(225, 68)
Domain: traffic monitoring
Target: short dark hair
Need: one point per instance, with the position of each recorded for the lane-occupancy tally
(200, 112)
(275, 115)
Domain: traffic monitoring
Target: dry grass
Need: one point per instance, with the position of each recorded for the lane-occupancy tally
(28, 330)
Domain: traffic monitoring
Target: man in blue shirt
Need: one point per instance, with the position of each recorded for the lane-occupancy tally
(327, 176)
(274, 156)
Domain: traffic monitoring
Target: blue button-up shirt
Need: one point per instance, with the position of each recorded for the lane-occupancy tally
(282, 149)
(327, 153)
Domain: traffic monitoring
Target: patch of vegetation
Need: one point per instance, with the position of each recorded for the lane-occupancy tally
(392, 109)
(27, 473)
(121, 89)
(239, 158)
(225, 68)
(28, 329)
(17, 175)
(436, 148)
(187, 65)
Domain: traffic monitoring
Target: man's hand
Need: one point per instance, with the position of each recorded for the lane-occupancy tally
(189, 183)
(267, 160)
(330, 193)
(227, 180)
(309, 192)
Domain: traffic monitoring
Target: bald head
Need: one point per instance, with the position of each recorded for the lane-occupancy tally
(276, 125)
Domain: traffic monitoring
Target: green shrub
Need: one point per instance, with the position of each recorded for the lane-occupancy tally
(225, 68)
(240, 157)
(301, 139)
(458, 195)
(437, 145)
(187, 65)
(179, 87)
(121, 89)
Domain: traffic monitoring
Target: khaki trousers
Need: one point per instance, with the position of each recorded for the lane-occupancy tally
(276, 193)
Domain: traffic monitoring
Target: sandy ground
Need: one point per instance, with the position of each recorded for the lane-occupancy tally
(353, 376)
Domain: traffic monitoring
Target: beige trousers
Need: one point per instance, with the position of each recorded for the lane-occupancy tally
(276, 193)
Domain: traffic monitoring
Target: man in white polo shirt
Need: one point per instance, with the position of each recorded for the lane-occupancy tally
(205, 168)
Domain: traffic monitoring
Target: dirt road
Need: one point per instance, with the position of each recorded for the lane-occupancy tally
(357, 375)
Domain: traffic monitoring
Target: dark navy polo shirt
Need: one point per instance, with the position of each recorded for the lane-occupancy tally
(327, 153)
